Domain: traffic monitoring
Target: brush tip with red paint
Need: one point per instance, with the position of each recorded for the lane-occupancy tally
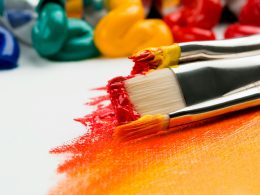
(158, 93)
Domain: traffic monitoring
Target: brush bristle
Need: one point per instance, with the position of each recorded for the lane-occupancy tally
(155, 93)
(143, 127)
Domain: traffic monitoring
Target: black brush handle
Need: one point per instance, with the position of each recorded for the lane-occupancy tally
(206, 80)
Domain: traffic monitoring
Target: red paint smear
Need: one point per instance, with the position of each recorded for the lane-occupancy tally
(100, 89)
(140, 67)
(98, 100)
(124, 109)
(100, 125)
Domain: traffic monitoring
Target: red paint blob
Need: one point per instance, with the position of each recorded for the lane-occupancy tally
(124, 110)
(140, 67)
(144, 62)
(203, 14)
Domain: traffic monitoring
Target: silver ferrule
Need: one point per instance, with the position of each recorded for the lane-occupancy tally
(19, 17)
(216, 107)
(220, 49)
(202, 81)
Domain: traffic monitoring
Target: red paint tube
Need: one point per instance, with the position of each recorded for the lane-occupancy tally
(198, 13)
(187, 34)
(250, 13)
(240, 30)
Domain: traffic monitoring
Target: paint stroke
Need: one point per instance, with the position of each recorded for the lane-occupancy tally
(221, 155)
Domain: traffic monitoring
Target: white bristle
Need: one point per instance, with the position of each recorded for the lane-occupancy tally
(155, 93)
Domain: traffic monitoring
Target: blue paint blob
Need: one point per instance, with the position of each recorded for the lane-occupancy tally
(9, 50)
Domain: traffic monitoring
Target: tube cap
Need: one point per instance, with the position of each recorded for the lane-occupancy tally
(9, 50)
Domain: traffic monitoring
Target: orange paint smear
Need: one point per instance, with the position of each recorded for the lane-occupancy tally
(218, 156)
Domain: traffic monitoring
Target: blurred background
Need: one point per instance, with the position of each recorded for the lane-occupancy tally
(52, 53)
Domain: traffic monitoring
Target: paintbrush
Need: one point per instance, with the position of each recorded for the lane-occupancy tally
(162, 57)
(170, 89)
(153, 124)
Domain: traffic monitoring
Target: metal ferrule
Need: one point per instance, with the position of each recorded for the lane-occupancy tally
(220, 49)
(202, 81)
(226, 104)
(19, 17)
